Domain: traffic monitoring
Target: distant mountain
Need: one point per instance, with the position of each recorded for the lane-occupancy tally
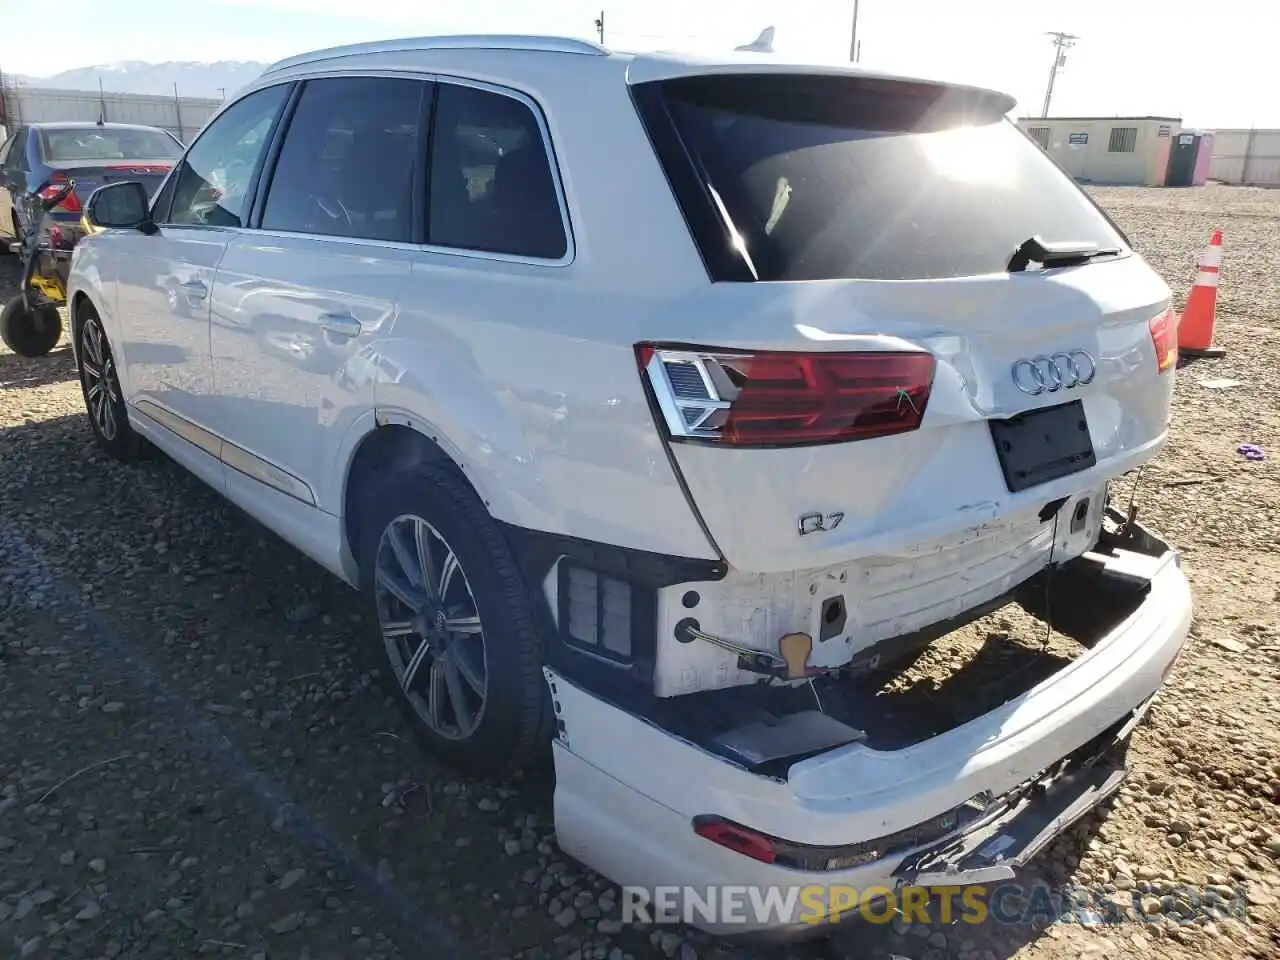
(136, 76)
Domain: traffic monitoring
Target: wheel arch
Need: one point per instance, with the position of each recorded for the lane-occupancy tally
(78, 300)
(75, 318)
(392, 444)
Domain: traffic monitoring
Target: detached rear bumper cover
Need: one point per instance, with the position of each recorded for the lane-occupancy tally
(627, 791)
(1000, 749)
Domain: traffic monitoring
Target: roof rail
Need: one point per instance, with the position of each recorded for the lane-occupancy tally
(460, 42)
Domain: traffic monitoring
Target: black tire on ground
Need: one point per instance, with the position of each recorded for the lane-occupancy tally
(100, 387)
(515, 725)
(29, 333)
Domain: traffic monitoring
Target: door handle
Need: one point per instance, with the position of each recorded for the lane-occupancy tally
(340, 324)
(195, 289)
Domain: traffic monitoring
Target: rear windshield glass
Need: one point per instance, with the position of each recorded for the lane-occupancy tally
(105, 143)
(837, 177)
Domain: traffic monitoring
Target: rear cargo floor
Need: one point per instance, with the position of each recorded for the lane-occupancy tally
(944, 683)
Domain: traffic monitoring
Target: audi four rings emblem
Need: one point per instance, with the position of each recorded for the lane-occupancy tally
(1058, 371)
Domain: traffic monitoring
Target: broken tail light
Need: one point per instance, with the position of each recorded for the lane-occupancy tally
(784, 398)
(1164, 337)
(70, 203)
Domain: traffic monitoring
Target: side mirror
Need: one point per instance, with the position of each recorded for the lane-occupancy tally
(121, 206)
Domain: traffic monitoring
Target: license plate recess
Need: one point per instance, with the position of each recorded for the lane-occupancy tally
(1043, 445)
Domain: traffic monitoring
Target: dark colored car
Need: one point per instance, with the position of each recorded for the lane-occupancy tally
(41, 155)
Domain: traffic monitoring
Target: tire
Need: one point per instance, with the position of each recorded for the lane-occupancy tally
(29, 333)
(100, 387)
(511, 726)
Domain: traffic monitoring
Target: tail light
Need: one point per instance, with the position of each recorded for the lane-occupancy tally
(1164, 337)
(782, 399)
(71, 203)
(737, 838)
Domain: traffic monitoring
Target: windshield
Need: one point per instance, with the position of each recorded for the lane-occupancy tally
(836, 177)
(107, 143)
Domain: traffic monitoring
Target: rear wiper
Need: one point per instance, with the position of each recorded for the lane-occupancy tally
(1062, 253)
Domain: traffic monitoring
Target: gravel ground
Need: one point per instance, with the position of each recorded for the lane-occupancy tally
(196, 759)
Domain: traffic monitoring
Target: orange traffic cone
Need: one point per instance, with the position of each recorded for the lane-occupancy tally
(1195, 329)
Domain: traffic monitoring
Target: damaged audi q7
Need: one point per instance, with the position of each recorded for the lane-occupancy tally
(664, 408)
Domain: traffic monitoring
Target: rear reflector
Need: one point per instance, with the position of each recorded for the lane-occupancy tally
(1164, 337)
(801, 856)
(736, 838)
(781, 399)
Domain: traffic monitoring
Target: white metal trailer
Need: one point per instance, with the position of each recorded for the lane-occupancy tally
(1249, 157)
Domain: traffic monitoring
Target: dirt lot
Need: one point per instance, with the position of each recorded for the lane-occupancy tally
(195, 760)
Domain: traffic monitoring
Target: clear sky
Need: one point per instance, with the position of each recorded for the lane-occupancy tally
(1203, 60)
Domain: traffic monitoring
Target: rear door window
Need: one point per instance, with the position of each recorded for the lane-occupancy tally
(492, 188)
(847, 177)
(350, 159)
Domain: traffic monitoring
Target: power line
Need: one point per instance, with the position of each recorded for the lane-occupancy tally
(1062, 42)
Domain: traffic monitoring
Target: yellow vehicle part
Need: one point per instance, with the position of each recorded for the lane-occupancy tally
(51, 287)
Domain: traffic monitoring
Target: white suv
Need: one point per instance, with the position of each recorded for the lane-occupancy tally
(663, 407)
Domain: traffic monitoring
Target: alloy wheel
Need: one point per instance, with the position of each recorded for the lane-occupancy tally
(101, 384)
(431, 627)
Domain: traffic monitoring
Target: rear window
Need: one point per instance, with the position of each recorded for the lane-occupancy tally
(837, 177)
(105, 143)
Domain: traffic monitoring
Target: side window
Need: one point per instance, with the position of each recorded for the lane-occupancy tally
(347, 167)
(161, 201)
(15, 159)
(215, 177)
(491, 182)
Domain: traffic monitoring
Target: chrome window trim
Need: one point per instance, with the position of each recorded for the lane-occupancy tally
(548, 146)
(177, 164)
(553, 162)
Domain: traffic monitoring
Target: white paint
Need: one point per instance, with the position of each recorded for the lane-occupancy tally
(902, 491)
(632, 822)
(524, 373)
(884, 595)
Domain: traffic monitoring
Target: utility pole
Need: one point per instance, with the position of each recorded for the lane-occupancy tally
(1062, 42)
(600, 26)
(855, 48)
(177, 112)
